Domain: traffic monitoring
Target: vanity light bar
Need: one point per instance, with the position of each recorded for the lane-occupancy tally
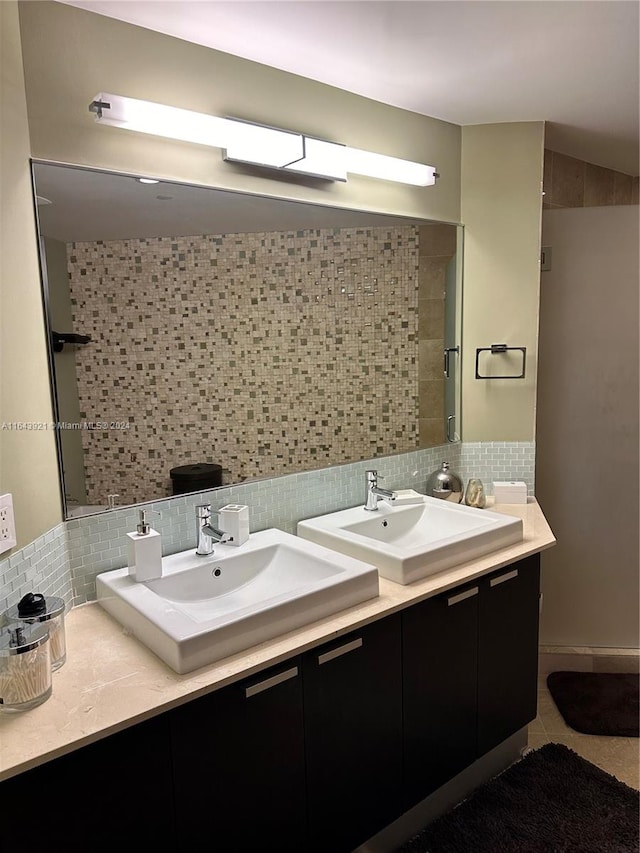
(256, 144)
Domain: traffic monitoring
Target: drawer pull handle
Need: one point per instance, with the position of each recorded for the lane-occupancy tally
(462, 596)
(502, 578)
(270, 682)
(341, 650)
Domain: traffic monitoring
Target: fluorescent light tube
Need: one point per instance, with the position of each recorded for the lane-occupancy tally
(389, 168)
(259, 145)
(161, 120)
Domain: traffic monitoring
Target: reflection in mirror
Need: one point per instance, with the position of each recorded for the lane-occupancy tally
(207, 337)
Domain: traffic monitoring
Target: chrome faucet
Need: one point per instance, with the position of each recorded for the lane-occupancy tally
(373, 493)
(206, 533)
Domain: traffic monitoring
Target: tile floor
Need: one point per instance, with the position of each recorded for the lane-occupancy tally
(619, 756)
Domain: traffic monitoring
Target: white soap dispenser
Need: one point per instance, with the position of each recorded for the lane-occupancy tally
(145, 550)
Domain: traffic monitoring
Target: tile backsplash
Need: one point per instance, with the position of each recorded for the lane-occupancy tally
(65, 560)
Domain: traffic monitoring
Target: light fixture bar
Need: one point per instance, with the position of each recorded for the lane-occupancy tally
(259, 145)
(256, 144)
(159, 120)
(389, 168)
(321, 159)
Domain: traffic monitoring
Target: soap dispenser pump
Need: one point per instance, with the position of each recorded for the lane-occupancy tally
(145, 550)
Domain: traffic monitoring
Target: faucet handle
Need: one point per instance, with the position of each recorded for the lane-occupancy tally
(203, 512)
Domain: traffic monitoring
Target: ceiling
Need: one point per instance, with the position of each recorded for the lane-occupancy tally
(572, 63)
(84, 205)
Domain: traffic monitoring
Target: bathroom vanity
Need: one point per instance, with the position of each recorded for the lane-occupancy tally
(313, 741)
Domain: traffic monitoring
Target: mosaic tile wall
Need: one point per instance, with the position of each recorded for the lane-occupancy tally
(66, 560)
(264, 353)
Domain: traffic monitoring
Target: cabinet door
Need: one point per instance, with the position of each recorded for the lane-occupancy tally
(353, 736)
(508, 651)
(239, 766)
(440, 638)
(97, 798)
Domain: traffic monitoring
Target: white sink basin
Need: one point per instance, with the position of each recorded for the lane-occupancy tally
(408, 543)
(205, 608)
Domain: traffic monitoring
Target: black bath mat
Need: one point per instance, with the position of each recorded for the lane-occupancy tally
(551, 801)
(598, 703)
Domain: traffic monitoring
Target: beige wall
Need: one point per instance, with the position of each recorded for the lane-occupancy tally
(28, 468)
(501, 209)
(71, 55)
(587, 427)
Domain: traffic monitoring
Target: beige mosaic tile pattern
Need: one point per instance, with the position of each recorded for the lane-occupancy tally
(265, 353)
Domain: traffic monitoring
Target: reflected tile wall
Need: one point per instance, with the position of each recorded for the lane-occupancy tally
(437, 246)
(263, 353)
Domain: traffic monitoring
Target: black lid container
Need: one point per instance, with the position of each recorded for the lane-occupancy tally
(195, 478)
(35, 608)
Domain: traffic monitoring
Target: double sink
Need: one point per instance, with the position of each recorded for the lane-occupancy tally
(205, 608)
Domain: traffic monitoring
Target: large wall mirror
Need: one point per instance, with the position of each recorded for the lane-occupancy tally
(202, 337)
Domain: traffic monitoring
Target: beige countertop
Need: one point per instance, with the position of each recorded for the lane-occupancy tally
(111, 681)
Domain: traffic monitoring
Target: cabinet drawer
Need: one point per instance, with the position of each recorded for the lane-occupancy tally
(440, 658)
(95, 797)
(238, 757)
(353, 736)
(508, 651)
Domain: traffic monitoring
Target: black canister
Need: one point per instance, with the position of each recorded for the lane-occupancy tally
(195, 478)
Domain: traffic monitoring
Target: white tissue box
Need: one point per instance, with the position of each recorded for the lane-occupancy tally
(405, 496)
(510, 492)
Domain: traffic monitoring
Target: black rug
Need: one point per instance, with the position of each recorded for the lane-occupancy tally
(551, 801)
(598, 703)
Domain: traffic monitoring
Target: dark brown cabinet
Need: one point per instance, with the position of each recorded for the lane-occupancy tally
(315, 755)
(238, 765)
(353, 736)
(469, 673)
(97, 798)
(508, 614)
(440, 676)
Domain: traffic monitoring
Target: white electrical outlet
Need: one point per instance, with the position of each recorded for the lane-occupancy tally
(7, 524)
